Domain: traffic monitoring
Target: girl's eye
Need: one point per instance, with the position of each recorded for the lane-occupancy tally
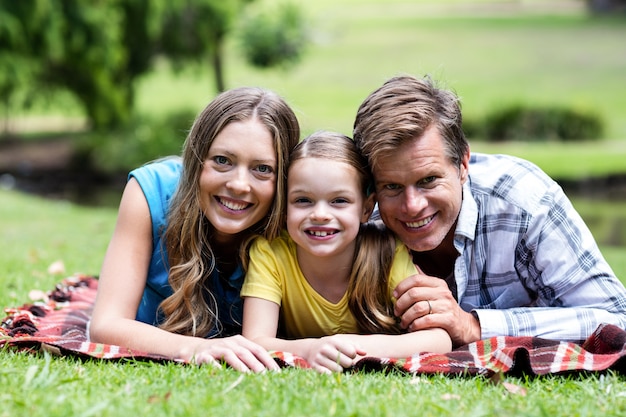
(301, 200)
(340, 201)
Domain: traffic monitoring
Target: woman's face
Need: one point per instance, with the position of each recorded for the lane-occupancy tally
(238, 179)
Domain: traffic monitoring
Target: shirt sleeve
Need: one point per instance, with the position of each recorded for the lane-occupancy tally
(402, 266)
(263, 275)
(573, 287)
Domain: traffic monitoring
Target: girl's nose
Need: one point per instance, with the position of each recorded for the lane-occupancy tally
(320, 212)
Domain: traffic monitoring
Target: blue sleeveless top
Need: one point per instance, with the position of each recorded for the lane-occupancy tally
(158, 181)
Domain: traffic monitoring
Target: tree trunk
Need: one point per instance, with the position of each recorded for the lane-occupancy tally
(217, 58)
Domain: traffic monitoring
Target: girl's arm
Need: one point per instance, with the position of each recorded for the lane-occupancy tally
(403, 345)
(334, 353)
(122, 281)
(326, 354)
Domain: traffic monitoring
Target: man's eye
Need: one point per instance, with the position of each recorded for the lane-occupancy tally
(427, 180)
(392, 187)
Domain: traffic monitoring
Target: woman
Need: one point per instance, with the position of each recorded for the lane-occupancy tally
(171, 276)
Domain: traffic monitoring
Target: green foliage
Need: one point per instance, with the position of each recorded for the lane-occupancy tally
(97, 50)
(272, 36)
(541, 123)
(196, 30)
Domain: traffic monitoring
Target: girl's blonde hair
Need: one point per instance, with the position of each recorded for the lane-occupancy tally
(368, 288)
(192, 309)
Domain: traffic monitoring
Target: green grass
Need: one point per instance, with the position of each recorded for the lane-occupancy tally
(65, 387)
(578, 160)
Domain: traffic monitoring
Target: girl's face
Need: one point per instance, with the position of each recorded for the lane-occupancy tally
(238, 179)
(325, 206)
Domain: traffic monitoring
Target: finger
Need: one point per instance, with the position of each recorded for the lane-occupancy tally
(335, 364)
(204, 358)
(265, 359)
(404, 285)
(417, 280)
(417, 313)
(253, 354)
(235, 362)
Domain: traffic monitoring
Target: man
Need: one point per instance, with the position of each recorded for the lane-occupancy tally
(502, 250)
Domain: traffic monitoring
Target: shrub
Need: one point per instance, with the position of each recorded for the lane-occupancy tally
(541, 123)
(273, 36)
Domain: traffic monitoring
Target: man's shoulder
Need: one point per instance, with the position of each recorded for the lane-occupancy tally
(509, 178)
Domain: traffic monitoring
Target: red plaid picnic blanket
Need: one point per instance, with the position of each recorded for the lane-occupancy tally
(58, 323)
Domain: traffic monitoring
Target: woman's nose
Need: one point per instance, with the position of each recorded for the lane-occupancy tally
(240, 181)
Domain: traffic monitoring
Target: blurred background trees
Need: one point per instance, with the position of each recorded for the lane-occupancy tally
(97, 49)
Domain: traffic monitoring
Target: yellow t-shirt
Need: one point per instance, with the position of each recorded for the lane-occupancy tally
(274, 275)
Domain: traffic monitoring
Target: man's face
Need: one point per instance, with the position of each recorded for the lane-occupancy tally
(420, 191)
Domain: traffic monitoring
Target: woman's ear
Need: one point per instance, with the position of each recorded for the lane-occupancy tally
(368, 207)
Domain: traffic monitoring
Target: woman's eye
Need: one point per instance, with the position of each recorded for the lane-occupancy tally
(265, 169)
(220, 160)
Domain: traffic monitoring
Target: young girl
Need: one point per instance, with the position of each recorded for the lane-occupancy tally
(171, 277)
(331, 273)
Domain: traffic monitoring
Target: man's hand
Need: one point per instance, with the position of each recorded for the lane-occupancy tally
(425, 302)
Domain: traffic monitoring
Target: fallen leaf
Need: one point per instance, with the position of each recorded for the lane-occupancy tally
(56, 268)
(514, 389)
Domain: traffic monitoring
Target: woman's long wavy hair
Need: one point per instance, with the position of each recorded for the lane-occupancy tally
(188, 234)
(368, 287)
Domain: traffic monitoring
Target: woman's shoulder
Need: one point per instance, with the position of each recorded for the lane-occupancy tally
(165, 170)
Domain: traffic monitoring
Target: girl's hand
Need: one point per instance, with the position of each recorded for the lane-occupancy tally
(237, 351)
(333, 353)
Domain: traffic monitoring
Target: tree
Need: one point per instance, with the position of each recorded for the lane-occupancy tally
(97, 48)
(196, 30)
(273, 36)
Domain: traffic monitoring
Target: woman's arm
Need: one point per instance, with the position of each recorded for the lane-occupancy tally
(122, 281)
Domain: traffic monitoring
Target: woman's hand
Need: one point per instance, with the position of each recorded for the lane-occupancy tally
(237, 351)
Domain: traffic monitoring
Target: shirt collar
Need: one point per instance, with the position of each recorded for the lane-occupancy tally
(468, 216)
